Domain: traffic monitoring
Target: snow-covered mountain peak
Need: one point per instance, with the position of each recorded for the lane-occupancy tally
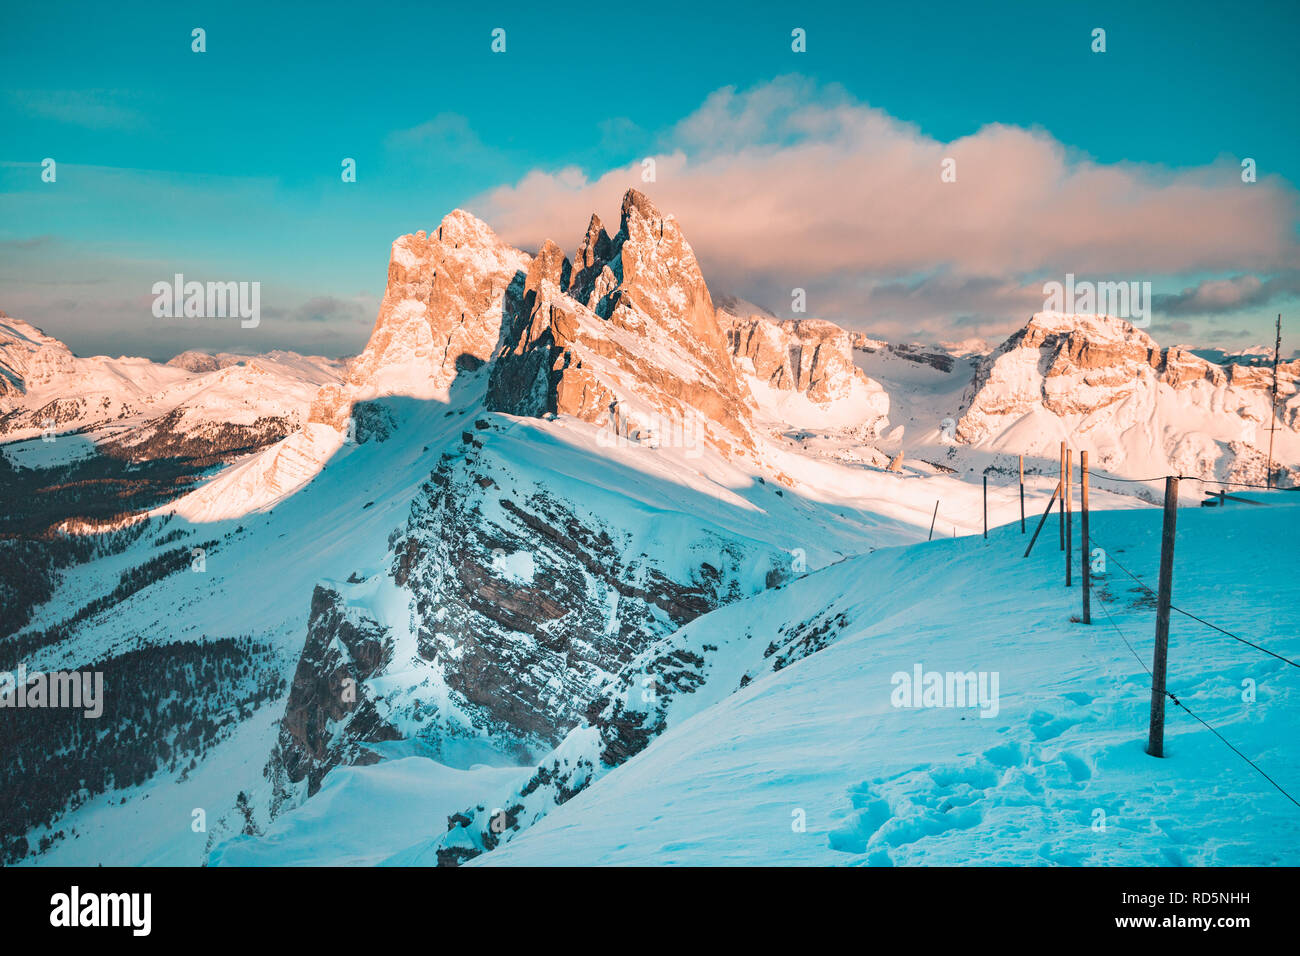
(1094, 327)
(441, 311)
(802, 373)
(28, 358)
(462, 228)
(1103, 385)
(17, 333)
(627, 335)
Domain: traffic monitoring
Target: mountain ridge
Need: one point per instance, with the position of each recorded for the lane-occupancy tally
(475, 541)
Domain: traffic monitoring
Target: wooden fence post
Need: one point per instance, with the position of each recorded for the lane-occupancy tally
(1043, 520)
(1062, 514)
(1022, 494)
(1084, 554)
(1068, 498)
(1156, 733)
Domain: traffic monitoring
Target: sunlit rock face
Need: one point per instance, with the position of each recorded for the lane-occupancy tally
(626, 329)
(1115, 391)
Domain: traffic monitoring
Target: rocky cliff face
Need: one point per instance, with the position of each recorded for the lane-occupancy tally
(528, 585)
(442, 308)
(1114, 390)
(808, 392)
(941, 360)
(441, 317)
(811, 356)
(37, 381)
(626, 331)
(29, 359)
(330, 714)
(531, 598)
(668, 680)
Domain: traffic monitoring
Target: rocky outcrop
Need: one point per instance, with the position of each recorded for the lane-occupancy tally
(595, 249)
(516, 591)
(529, 595)
(1072, 365)
(329, 715)
(670, 680)
(626, 329)
(805, 383)
(441, 317)
(919, 354)
(30, 359)
(529, 376)
(442, 308)
(811, 356)
(194, 361)
(1115, 390)
(942, 357)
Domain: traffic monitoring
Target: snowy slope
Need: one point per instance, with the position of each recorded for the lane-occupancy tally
(337, 527)
(499, 585)
(922, 398)
(258, 580)
(878, 784)
(382, 805)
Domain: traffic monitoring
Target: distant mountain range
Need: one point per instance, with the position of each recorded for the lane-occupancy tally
(490, 539)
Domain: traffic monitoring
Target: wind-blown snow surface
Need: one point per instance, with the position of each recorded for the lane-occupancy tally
(882, 785)
(1058, 776)
(363, 814)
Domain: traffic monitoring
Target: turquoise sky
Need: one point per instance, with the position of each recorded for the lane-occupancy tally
(226, 164)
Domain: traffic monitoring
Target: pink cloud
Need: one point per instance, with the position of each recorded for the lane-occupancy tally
(803, 182)
(1215, 296)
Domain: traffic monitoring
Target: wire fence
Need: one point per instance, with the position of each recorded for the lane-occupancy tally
(1106, 609)
(1169, 694)
(1110, 556)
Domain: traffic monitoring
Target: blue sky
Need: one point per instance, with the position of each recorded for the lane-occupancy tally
(225, 164)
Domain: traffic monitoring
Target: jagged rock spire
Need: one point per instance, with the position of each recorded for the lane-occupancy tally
(442, 307)
(637, 203)
(635, 327)
(595, 246)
